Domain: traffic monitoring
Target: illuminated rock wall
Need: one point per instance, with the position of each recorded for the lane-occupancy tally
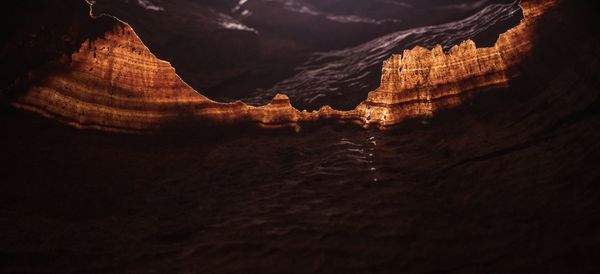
(115, 83)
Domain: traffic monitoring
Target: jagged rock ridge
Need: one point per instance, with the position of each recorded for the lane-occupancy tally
(421, 82)
(115, 83)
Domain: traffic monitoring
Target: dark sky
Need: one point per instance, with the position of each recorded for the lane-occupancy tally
(250, 50)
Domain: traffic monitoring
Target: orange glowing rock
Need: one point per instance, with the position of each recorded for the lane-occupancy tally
(115, 83)
(420, 82)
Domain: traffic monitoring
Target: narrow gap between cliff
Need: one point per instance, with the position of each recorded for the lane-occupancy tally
(312, 59)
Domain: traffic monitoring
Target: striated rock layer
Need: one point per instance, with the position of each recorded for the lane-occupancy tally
(420, 82)
(115, 83)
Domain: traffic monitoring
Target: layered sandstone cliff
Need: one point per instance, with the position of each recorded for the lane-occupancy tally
(115, 83)
(420, 82)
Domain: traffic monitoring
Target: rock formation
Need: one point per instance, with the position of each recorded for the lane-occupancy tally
(421, 82)
(115, 83)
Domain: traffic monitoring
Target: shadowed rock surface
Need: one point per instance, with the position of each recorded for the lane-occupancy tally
(507, 183)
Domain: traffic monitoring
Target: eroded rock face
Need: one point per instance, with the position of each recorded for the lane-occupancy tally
(115, 83)
(112, 83)
(420, 82)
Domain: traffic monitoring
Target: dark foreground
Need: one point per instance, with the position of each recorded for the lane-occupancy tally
(508, 184)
